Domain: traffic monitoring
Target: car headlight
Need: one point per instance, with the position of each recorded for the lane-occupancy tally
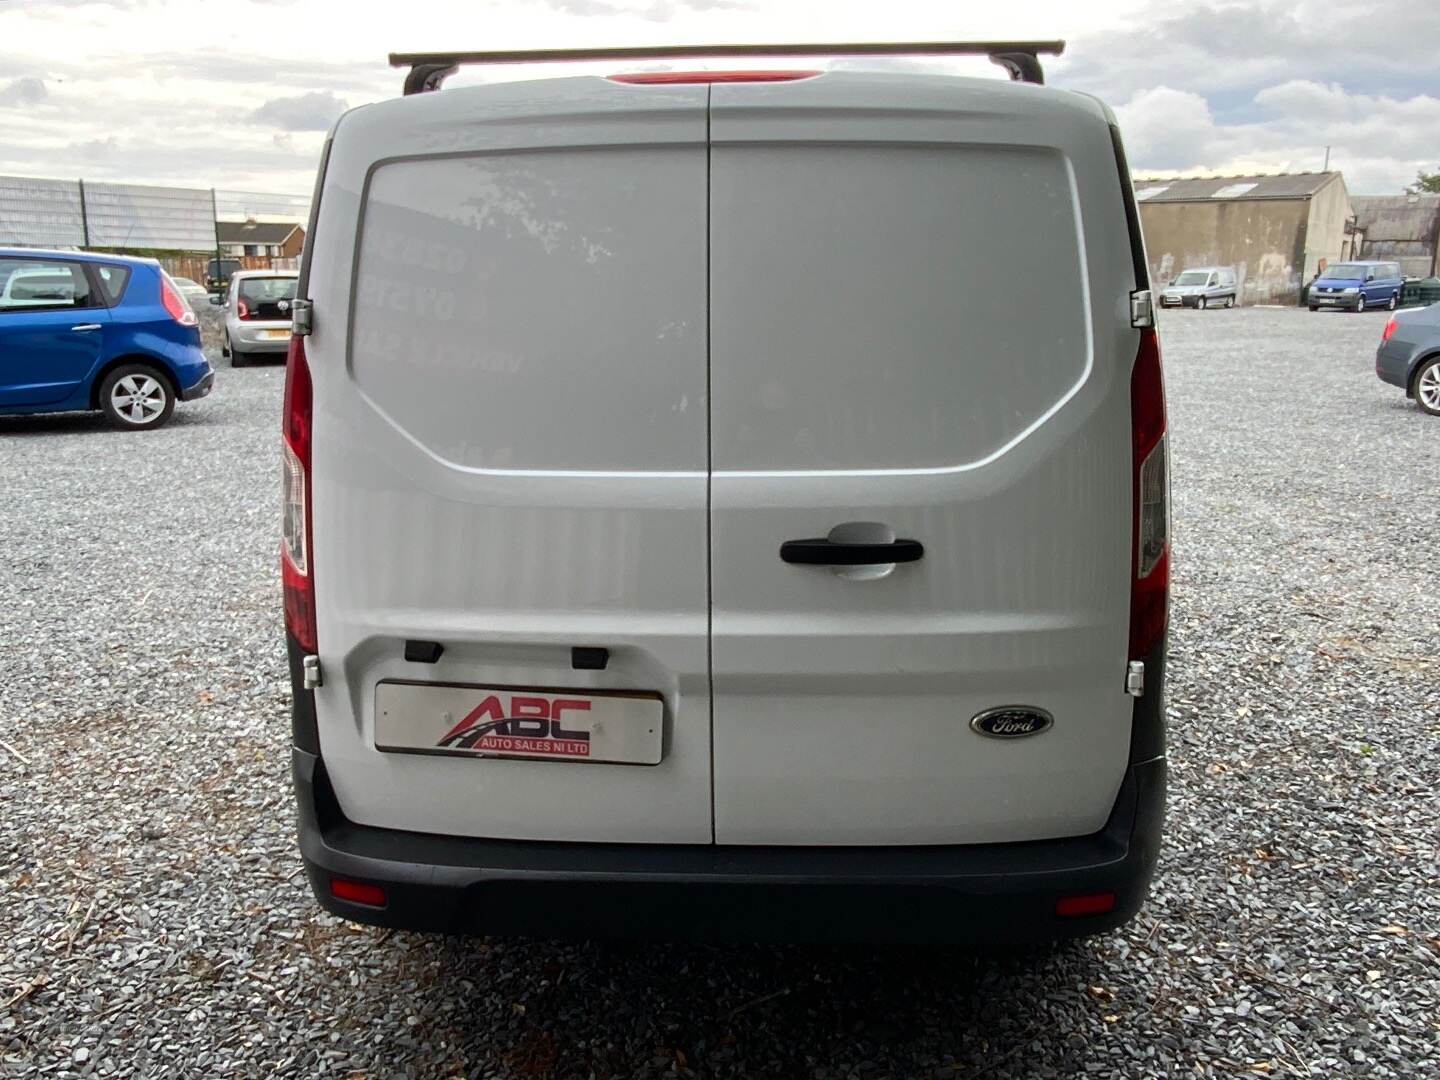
(1352, 289)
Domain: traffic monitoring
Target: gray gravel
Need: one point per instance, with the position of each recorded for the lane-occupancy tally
(155, 921)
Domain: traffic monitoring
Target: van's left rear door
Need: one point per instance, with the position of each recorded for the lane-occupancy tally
(510, 454)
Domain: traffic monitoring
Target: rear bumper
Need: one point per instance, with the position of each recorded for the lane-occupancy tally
(200, 387)
(1392, 363)
(981, 894)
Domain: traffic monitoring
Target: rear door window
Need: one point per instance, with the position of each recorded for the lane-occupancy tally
(43, 285)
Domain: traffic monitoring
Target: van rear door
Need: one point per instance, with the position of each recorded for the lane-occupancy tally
(510, 460)
(919, 331)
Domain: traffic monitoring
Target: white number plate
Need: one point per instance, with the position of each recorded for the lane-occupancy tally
(519, 722)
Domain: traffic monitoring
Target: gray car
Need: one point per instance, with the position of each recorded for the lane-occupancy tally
(1409, 355)
(1201, 287)
(257, 315)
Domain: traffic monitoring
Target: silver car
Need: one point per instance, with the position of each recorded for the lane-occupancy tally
(1201, 287)
(257, 315)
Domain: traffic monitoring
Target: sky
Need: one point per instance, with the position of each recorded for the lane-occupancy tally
(238, 94)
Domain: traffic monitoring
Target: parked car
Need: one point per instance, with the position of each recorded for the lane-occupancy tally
(218, 273)
(106, 332)
(257, 315)
(193, 291)
(1356, 286)
(1201, 287)
(1409, 355)
(652, 566)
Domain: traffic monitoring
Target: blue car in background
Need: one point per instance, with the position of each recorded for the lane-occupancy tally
(87, 331)
(1357, 286)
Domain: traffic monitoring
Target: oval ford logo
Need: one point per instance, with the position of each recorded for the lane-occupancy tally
(1011, 722)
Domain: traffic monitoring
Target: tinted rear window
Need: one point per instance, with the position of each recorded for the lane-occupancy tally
(264, 295)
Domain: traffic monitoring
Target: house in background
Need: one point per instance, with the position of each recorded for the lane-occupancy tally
(1276, 231)
(261, 245)
(1405, 228)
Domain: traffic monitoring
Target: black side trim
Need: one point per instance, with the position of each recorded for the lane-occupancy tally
(304, 734)
(1132, 212)
(1147, 731)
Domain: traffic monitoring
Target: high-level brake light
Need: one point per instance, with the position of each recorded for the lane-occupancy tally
(670, 77)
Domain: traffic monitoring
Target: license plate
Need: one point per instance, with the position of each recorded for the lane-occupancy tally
(274, 335)
(519, 722)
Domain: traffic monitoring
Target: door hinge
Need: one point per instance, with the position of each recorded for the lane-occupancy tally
(311, 678)
(1135, 678)
(302, 317)
(1142, 309)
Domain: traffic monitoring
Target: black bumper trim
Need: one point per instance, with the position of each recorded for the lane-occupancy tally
(200, 388)
(974, 894)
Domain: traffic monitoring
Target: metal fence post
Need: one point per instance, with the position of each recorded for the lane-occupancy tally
(84, 216)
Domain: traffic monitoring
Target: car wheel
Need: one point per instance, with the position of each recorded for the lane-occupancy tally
(1360, 302)
(225, 346)
(1394, 301)
(1314, 307)
(1229, 302)
(239, 359)
(1200, 304)
(136, 397)
(1427, 386)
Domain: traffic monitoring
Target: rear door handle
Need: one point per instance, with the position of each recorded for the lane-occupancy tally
(824, 552)
(87, 326)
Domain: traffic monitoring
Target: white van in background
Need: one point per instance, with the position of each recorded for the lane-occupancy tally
(690, 529)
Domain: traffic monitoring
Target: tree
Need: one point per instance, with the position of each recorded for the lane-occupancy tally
(1425, 184)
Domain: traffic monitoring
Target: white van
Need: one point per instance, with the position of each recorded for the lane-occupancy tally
(693, 527)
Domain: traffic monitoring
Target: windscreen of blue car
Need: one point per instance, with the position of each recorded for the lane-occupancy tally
(1344, 272)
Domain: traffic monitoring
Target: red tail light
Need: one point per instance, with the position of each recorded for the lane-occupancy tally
(357, 892)
(663, 77)
(1150, 525)
(241, 309)
(1085, 904)
(1389, 329)
(175, 304)
(296, 569)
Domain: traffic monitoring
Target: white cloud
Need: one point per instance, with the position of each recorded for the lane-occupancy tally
(147, 91)
(314, 111)
(1378, 142)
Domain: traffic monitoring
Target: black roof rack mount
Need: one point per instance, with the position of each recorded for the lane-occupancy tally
(1020, 58)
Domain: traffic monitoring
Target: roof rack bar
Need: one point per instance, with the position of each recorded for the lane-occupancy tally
(1020, 58)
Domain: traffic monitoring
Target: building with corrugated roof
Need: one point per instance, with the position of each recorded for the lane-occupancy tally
(1277, 232)
(1405, 228)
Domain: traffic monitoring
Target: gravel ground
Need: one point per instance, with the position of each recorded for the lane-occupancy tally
(156, 921)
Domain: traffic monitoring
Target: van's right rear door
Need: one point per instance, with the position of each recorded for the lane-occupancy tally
(919, 330)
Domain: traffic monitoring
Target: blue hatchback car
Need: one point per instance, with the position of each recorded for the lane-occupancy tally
(1357, 286)
(87, 331)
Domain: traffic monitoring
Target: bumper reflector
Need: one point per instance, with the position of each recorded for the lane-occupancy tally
(357, 892)
(1085, 904)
